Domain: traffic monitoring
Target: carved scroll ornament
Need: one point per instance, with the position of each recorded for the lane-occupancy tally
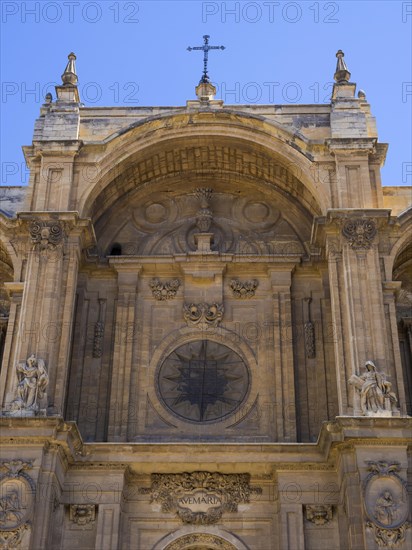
(203, 315)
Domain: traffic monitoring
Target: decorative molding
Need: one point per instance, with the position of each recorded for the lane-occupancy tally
(200, 497)
(82, 514)
(386, 503)
(98, 339)
(359, 232)
(310, 346)
(164, 290)
(243, 289)
(200, 539)
(203, 316)
(376, 397)
(204, 216)
(31, 388)
(319, 514)
(14, 538)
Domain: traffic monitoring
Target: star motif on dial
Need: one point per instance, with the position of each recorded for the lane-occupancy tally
(203, 381)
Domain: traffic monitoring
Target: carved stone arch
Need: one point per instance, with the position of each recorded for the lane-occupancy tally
(210, 538)
(144, 151)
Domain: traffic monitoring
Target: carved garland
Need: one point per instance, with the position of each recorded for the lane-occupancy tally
(177, 492)
(203, 539)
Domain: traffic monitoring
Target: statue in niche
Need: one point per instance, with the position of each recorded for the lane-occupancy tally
(31, 388)
(385, 509)
(376, 396)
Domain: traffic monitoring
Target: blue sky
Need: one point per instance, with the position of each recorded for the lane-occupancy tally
(134, 54)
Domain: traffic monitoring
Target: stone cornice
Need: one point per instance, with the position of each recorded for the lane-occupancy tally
(345, 433)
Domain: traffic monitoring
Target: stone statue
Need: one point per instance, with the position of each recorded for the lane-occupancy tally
(376, 397)
(32, 383)
(385, 509)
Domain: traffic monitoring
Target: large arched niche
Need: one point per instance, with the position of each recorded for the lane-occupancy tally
(225, 146)
(249, 216)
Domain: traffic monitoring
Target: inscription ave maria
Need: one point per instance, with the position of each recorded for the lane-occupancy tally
(199, 501)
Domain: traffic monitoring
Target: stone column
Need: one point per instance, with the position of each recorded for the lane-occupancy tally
(390, 289)
(125, 337)
(352, 498)
(45, 325)
(360, 332)
(284, 389)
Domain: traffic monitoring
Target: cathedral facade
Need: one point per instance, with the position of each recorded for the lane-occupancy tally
(206, 329)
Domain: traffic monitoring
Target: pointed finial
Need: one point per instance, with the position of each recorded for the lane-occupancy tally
(342, 73)
(69, 77)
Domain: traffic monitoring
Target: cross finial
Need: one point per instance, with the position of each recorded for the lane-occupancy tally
(206, 47)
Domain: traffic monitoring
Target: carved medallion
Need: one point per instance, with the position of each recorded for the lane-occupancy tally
(200, 497)
(245, 289)
(164, 291)
(360, 233)
(386, 503)
(203, 316)
(203, 381)
(17, 490)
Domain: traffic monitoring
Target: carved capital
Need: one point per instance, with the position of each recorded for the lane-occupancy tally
(359, 233)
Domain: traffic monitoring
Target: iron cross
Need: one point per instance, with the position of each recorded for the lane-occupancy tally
(205, 48)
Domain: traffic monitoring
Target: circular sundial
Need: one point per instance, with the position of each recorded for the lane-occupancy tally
(203, 381)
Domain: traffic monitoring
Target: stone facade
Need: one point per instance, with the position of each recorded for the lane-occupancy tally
(206, 329)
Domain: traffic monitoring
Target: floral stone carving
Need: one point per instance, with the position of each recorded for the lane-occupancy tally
(245, 289)
(376, 396)
(360, 233)
(31, 388)
(319, 514)
(204, 215)
(17, 490)
(203, 315)
(386, 503)
(200, 497)
(164, 291)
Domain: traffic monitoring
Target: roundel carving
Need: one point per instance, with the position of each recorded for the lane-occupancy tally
(203, 381)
